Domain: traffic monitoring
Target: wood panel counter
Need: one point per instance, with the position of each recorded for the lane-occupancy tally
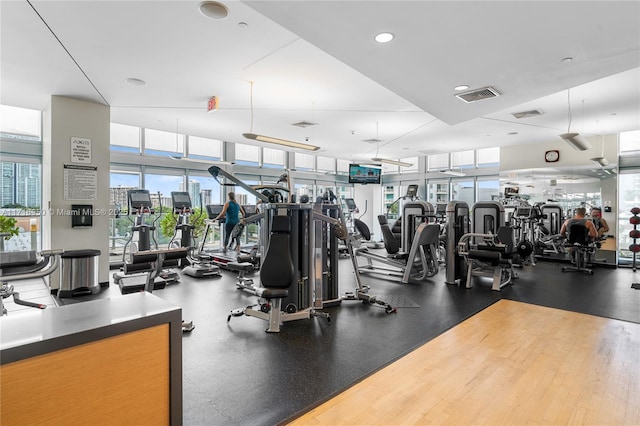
(107, 361)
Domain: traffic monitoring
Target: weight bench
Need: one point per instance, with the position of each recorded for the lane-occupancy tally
(23, 265)
(152, 263)
(276, 276)
(492, 257)
(243, 282)
(581, 248)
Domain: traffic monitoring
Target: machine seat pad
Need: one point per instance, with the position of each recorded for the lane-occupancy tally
(492, 257)
(11, 259)
(498, 249)
(240, 266)
(273, 293)
(132, 268)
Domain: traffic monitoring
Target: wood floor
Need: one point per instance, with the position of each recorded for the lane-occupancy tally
(511, 364)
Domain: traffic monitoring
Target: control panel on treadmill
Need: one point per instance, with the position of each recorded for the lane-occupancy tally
(139, 200)
(249, 210)
(213, 210)
(351, 204)
(523, 212)
(412, 191)
(181, 201)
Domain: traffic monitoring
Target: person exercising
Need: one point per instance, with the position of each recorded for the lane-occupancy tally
(598, 221)
(232, 211)
(579, 219)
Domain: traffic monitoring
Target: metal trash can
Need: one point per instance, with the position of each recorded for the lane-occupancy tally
(79, 273)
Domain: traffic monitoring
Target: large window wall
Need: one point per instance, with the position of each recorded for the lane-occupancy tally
(21, 177)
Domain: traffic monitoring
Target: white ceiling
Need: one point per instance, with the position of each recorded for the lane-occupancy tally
(317, 61)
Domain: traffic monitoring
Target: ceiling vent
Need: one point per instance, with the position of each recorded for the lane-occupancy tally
(304, 124)
(373, 140)
(478, 94)
(526, 114)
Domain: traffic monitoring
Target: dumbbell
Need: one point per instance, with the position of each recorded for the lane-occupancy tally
(634, 233)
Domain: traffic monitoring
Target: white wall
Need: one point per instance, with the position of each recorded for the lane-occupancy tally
(531, 156)
(369, 196)
(66, 118)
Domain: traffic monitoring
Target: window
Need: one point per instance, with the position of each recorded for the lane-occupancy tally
(413, 167)
(247, 155)
(304, 161)
(438, 192)
(20, 199)
(630, 142)
(488, 190)
(463, 159)
(342, 166)
(629, 198)
(125, 138)
(438, 162)
(488, 157)
(273, 158)
(326, 164)
(208, 149)
(157, 142)
(20, 123)
(160, 183)
(463, 190)
(120, 227)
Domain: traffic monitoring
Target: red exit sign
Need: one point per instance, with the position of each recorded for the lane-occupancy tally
(212, 105)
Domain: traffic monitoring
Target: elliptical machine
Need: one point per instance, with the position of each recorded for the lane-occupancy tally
(197, 267)
(140, 240)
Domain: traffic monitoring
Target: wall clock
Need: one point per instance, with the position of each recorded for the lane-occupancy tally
(552, 156)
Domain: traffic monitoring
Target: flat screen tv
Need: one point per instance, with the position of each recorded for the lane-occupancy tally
(364, 174)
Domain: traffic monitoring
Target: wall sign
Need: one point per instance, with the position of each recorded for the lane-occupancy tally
(80, 182)
(81, 150)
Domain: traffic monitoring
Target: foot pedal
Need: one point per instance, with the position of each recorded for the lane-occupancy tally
(235, 313)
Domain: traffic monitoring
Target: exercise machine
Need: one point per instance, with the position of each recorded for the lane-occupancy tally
(23, 265)
(489, 249)
(457, 226)
(151, 263)
(547, 238)
(194, 265)
(419, 263)
(310, 233)
(142, 234)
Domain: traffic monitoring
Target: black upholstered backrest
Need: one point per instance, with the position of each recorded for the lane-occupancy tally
(505, 236)
(578, 234)
(362, 229)
(391, 243)
(277, 269)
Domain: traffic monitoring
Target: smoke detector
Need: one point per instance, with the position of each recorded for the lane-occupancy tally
(478, 94)
(527, 114)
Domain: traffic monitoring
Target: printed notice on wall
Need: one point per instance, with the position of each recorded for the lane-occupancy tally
(80, 182)
(81, 150)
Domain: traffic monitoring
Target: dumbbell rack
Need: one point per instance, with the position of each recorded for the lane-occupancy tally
(635, 236)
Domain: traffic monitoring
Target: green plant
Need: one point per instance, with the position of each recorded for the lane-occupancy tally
(8, 227)
(168, 223)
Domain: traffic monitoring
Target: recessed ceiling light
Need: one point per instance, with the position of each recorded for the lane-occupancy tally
(135, 81)
(566, 60)
(243, 24)
(512, 133)
(213, 9)
(461, 87)
(384, 37)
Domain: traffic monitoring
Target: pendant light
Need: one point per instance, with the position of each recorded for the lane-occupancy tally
(577, 141)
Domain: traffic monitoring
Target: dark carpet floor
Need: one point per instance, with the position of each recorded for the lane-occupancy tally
(236, 374)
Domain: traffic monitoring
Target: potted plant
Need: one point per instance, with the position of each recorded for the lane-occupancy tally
(8, 229)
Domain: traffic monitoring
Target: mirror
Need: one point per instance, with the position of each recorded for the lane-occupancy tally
(568, 188)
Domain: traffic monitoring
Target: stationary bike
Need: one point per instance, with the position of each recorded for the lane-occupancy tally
(194, 266)
(140, 240)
